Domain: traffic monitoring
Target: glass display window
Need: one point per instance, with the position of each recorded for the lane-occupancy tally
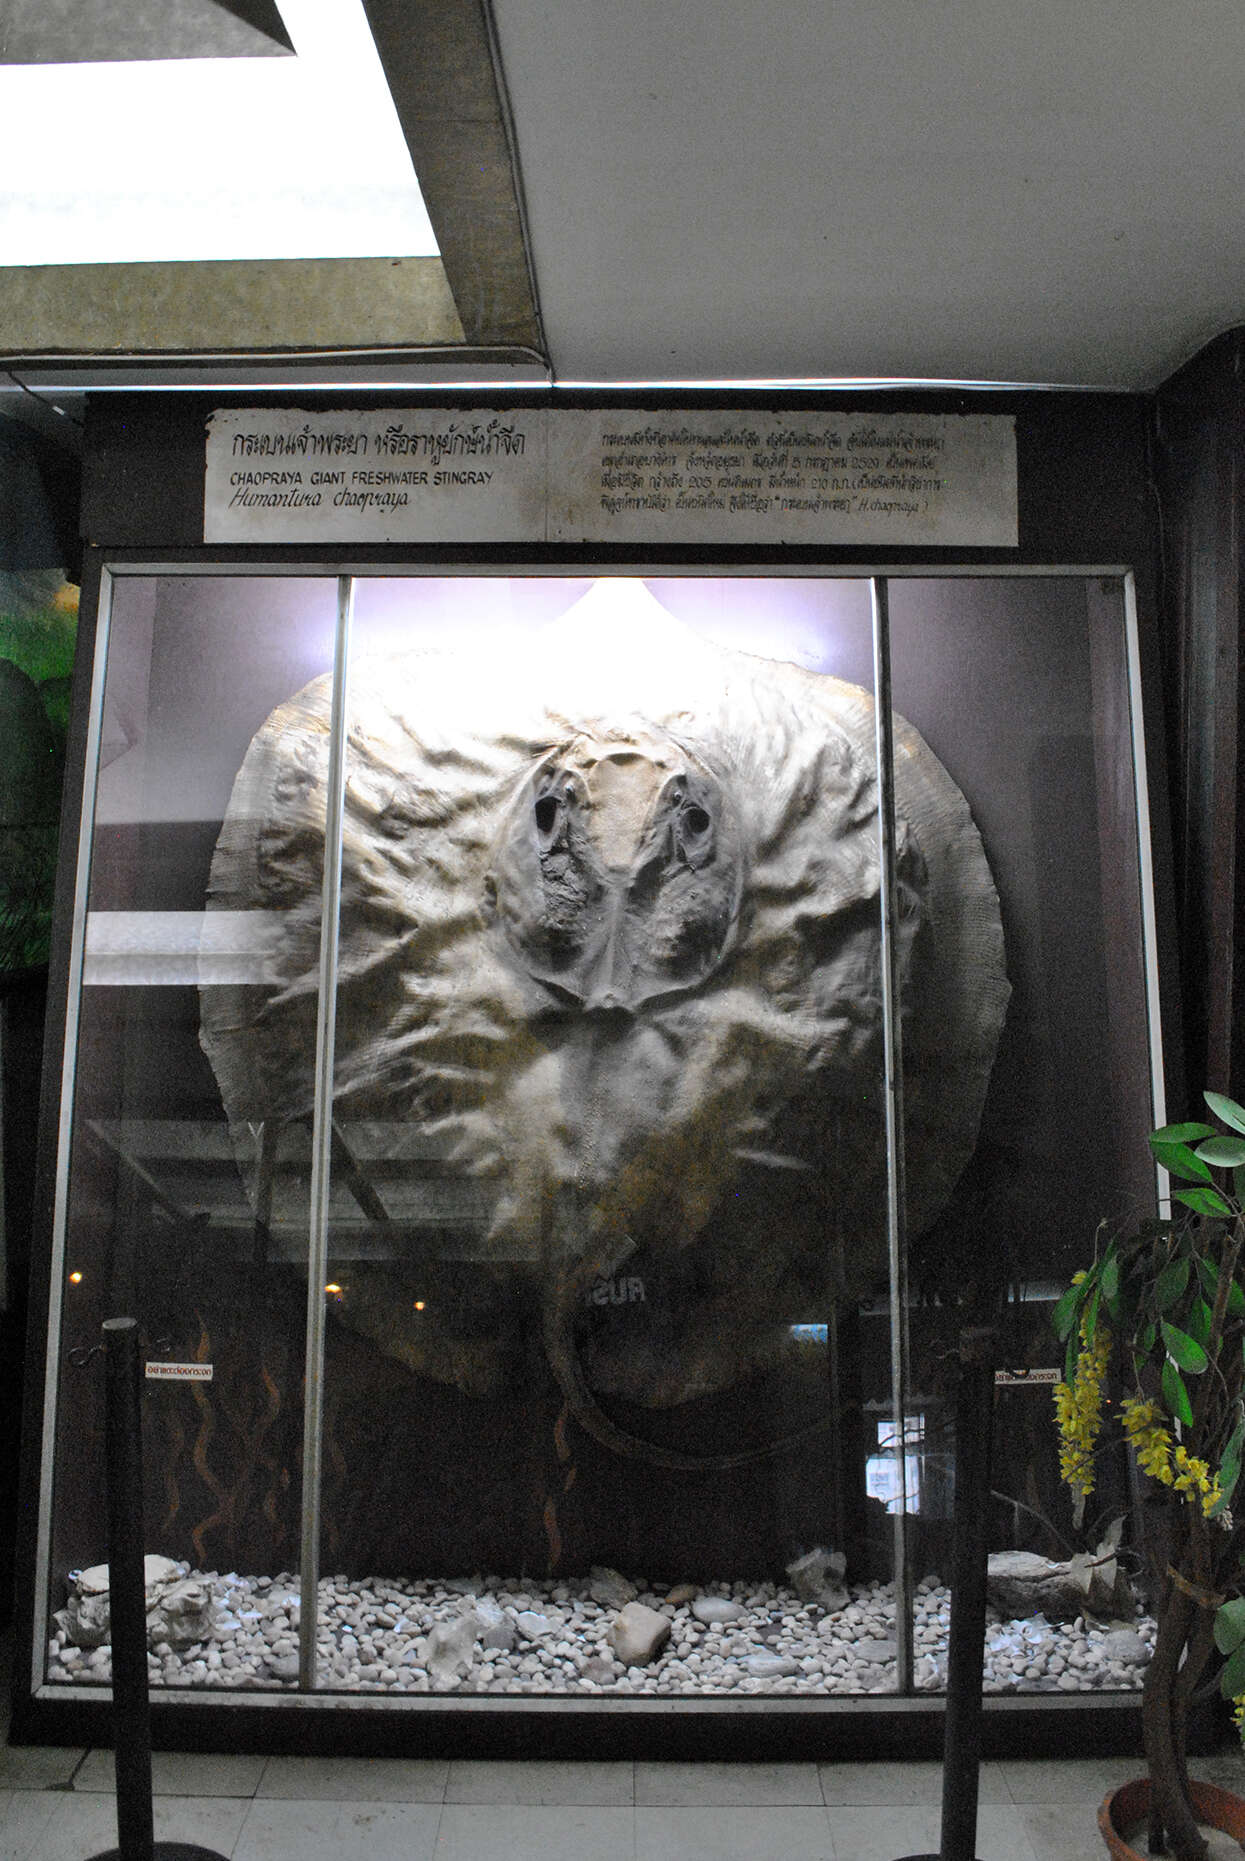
(551, 1059)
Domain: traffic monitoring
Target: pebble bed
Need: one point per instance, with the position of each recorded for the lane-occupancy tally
(380, 1636)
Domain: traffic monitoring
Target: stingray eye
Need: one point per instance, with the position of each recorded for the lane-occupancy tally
(546, 812)
(696, 821)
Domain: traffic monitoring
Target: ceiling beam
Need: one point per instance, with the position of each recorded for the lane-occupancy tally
(77, 32)
(439, 62)
(228, 304)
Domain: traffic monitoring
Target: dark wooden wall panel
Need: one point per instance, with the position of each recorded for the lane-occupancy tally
(1200, 472)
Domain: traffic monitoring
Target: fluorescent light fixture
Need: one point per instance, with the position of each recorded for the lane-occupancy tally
(99, 374)
(212, 158)
(842, 384)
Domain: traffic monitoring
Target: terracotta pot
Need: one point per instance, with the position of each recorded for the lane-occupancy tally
(1128, 1807)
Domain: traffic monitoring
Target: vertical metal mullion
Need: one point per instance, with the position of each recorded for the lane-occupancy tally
(65, 1119)
(1145, 870)
(896, 1186)
(321, 1142)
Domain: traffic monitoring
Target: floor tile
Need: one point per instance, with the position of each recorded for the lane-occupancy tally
(24, 1814)
(1226, 1768)
(666, 1786)
(342, 1831)
(179, 1773)
(794, 1834)
(1062, 1831)
(1066, 1780)
(87, 1825)
(862, 1785)
(38, 1767)
(875, 1833)
(609, 1785)
(497, 1832)
(355, 1780)
(1003, 1833)
(896, 1785)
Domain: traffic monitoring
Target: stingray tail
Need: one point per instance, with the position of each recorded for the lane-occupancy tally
(565, 1291)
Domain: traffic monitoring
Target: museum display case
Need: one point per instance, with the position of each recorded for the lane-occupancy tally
(550, 1063)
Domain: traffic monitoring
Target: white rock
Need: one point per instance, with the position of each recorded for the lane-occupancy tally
(610, 1588)
(1126, 1646)
(713, 1610)
(532, 1625)
(638, 1634)
(770, 1666)
(451, 1649)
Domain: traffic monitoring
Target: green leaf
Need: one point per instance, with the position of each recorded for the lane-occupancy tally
(1232, 1679)
(1202, 1201)
(1230, 1625)
(1063, 1318)
(1224, 1152)
(1175, 1395)
(1186, 1350)
(1208, 1273)
(1229, 1475)
(1182, 1133)
(1146, 1337)
(1179, 1160)
(1227, 1109)
(1199, 1322)
(1091, 1316)
(1110, 1283)
(1230, 1472)
(1171, 1282)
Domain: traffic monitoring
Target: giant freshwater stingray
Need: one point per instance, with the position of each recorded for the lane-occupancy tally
(609, 1008)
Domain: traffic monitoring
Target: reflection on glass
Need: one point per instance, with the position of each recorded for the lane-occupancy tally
(175, 1215)
(605, 1299)
(1021, 688)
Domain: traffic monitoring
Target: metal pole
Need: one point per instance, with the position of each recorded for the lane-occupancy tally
(961, 1762)
(127, 1605)
(896, 1184)
(974, 1427)
(127, 1594)
(322, 1142)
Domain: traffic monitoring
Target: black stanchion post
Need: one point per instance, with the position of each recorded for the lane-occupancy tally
(127, 1605)
(974, 1431)
(127, 1595)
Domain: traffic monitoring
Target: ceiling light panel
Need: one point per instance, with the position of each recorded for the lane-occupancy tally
(214, 158)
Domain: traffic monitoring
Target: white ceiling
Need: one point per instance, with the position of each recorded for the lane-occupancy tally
(716, 190)
(967, 189)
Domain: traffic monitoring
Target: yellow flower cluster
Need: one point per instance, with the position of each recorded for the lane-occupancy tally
(1148, 1434)
(1078, 1411)
(1238, 1714)
(1162, 1459)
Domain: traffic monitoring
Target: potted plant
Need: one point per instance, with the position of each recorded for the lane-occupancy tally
(1163, 1308)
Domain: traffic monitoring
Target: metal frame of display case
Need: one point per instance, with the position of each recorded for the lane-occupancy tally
(903, 1719)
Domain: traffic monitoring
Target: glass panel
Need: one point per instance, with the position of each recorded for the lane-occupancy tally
(188, 1190)
(607, 1295)
(1020, 688)
(606, 1136)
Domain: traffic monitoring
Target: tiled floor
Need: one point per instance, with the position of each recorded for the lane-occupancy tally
(57, 1805)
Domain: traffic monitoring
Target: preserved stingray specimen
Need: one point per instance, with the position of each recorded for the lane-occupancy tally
(609, 1007)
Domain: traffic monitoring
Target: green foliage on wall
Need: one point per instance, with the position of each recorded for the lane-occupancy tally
(38, 630)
